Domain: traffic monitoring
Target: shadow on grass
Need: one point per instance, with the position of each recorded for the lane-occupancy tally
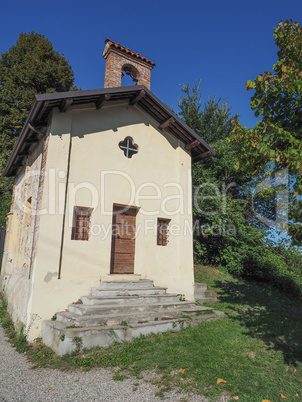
(266, 314)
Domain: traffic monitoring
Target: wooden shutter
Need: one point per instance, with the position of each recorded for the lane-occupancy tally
(81, 226)
(162, 231)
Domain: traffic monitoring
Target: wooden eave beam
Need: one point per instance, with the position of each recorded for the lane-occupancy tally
(181, 133)
(22, 154)
(136, 98)
(21, 160)
(204, 155)
(102, 100)
(192, 145)
(65, 104)
(42, 111)
(36, 130)
(151, 110)
(166, 123)
(156, 109)
(19, 164)
(31, 140)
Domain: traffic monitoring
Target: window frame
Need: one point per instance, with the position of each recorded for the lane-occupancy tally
(128, 147)
(162, 238)
(81, 223)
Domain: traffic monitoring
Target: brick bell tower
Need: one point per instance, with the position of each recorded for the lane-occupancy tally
(121, 61)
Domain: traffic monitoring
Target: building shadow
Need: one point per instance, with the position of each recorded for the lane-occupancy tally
(266, 314)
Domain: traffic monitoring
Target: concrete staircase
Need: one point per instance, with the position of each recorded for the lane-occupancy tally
(202, 294)
(121, 311)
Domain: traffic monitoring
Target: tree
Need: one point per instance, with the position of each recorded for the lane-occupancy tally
(30, 67)
(226, 232)
(276, 141)
(219, 204)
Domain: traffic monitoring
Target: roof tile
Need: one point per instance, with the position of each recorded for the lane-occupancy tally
(127, 51)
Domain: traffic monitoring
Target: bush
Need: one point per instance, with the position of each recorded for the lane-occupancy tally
(270, 265)
(86, 362)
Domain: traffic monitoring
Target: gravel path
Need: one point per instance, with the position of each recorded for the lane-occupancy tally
(18, 382)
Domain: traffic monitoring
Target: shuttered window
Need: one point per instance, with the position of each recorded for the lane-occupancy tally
(81, 223)
(162, 231)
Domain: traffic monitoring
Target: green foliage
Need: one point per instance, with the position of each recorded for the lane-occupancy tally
(281, 266)
(119, 377)
(78, 342)
(18, 338)
(86, 362)
(6, 184)
(212, 121)
(20, 342)
(218, 206)
(226, 230)
(276, 139)
(30, 67)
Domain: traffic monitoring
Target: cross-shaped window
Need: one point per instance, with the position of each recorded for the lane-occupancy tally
(128, 147)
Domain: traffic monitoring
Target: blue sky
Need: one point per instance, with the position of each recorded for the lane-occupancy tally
(224, 43)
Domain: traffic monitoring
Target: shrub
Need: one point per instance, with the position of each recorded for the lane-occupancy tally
(269, 264)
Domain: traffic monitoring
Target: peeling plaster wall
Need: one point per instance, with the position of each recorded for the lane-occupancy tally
(21, 237)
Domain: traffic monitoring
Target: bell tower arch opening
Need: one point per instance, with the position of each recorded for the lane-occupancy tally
(123, 62)
(129, 74)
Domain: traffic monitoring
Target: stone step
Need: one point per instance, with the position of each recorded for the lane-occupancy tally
(119, 311)
(122, 308)
(128, 291)
(200, 287)
(205, 293)
(202, 294)
(71, 319)
(126, 284)
(132, 299)
(62, 340)
(211, 299)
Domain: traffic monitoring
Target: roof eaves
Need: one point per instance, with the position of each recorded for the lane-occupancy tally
(180, 122)
(87, 92)
(41, 99)
(21, 138)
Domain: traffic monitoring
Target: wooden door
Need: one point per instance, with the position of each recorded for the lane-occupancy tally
(123, 240)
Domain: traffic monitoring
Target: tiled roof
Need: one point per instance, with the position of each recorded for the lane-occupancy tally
(110, 44)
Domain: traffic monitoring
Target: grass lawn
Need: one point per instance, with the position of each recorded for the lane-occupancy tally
(256, 349)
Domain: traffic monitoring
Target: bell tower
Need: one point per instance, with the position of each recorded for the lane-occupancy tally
(121, 61)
